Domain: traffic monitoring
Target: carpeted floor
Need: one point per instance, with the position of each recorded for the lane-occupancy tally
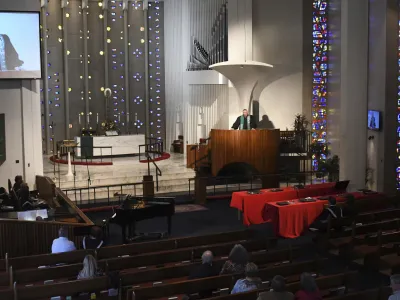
(189, 220)
(217, 216)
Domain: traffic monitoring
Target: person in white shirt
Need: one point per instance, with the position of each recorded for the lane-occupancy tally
(62, 244)
(395, 284)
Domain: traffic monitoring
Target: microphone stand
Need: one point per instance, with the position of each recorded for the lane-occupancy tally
(89, 181)
(74, 173)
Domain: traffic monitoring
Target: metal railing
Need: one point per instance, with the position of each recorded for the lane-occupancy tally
(228, 184)
(122, 189)
(158, 170)
(84, 152)
(295, 141)
(154, 147)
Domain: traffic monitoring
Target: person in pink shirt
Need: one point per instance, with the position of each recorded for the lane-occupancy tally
(309, 289)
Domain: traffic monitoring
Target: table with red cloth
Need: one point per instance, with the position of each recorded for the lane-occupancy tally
(252, 205)
(289, 221)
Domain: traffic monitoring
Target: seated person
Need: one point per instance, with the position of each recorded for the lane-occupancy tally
(309, 289)
(5, 199)
(113, 283)
(251, 282)
(206, 269)
(349, 209)
(278, 290)
(90, 269)
(237, 260)
(62, 244)
(17, 184)
(395, 285)
(94, 240)
(333, 211)
(24, 197)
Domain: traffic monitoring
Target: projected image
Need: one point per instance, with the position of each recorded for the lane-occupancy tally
(373, 119)
(19, 45)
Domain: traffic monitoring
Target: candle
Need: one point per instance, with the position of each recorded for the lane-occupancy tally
(119, 117)
(88, 118)
(135, 117)
(97, 118)
(79, 118)
(127, 117)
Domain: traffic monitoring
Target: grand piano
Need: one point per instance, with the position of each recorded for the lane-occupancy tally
(135, 209)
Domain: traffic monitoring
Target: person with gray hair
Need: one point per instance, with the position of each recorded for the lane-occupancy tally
(309, 289)
(206, 269)
(250, 282)
(62, 244)
(395, 284)
(278, 290)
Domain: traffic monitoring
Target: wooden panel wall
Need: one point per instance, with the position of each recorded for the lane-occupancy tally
(197, 154)
(22, 238)
(258, 148)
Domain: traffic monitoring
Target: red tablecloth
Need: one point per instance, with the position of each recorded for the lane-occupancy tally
(252, 206)
(290, 221)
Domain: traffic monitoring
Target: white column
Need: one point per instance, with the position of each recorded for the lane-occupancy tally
(240, 44)
(382, 94)
(31, 131)
(354, 92)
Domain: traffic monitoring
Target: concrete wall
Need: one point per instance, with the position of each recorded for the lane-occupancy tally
(20, 102)
(278, 40)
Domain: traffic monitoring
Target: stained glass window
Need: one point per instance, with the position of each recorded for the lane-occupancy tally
(320, 73)
(398, 110)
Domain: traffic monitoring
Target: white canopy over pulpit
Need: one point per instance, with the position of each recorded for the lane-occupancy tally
(246, 77)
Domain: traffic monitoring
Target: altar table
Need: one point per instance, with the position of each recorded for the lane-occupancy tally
(290, 220)
(252, 206)
(109, 145)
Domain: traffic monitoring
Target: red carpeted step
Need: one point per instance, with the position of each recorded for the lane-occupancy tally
(163, 156)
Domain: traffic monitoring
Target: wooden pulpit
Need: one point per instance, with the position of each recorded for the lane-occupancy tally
(257, 148)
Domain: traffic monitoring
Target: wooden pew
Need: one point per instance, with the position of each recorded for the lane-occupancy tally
(363, 218)
(214, 283)
(26, 262)
(278, 257)
(371, 294)
(177, 243)
(101, 283)
(180, 269)
(34, 261)
(69, 288)
(323, 283)
(123, 263)
(7, 294)
(350, 237)
(179, 255)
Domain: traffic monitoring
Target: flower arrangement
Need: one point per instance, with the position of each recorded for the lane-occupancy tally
(109, 125)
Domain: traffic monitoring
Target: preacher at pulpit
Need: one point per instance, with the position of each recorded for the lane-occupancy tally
(245, 122)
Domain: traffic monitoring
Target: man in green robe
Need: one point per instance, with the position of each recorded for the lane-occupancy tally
(245, 122)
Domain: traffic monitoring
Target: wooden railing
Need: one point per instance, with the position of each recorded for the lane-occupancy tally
(22, 238)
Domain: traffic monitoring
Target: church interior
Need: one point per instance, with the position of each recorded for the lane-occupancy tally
(199, 149)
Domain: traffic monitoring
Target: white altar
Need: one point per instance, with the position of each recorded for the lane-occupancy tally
(115, 145)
